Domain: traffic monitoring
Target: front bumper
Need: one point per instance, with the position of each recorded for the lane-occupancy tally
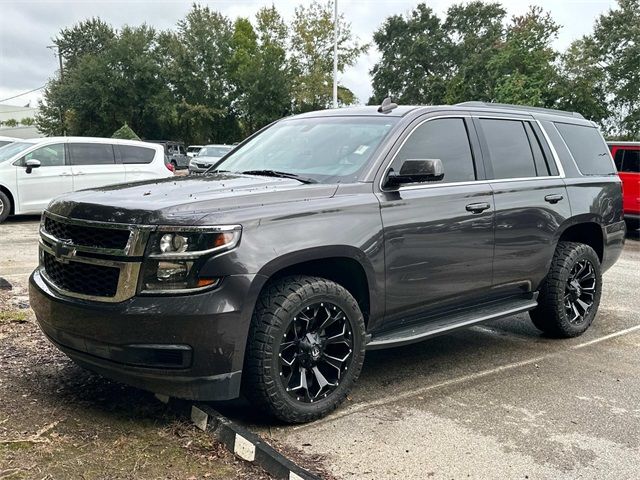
(189, 347)
(196, 169)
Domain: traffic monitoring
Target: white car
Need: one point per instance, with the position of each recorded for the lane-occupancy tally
(192, 150)
(34, 171)
(207, 156)
(7, 140)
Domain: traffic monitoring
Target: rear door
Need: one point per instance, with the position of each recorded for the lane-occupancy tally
(53, 178)
(627, 160)
(94, 165)
(530, 200)
(140, 162)
(438, 236)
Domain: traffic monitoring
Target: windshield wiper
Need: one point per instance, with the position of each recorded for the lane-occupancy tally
(276, 173)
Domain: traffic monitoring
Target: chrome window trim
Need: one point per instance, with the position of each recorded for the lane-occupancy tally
(523, 118)
(127, 278)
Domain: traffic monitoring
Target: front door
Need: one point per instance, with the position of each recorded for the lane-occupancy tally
(438, 236)
(53, 178)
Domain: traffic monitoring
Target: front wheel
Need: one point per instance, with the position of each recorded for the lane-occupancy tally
(570, 293)
(5, 206)
(305, 348)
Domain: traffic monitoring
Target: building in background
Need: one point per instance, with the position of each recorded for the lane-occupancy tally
(18, 122)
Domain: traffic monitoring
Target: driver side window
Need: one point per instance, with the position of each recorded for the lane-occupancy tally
(446, 139)
(49, 156)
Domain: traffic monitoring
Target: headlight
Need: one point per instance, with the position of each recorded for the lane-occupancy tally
(175, 256)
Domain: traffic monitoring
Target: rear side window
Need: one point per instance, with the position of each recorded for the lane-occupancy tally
(630, 161)
(130, 154)
(510, 150)
(445, 139)
(587, 148)
(618, 158)
(91, 154)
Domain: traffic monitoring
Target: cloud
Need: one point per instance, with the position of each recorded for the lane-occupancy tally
(29, 25)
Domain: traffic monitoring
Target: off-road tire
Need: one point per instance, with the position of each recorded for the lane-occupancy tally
(550, 316)
(5, 206)
(276, 307)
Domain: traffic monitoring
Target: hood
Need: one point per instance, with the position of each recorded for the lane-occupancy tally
(207, 160)
(185, 200)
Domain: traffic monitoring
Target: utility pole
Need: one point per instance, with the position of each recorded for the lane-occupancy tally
(335, 55)
(59, 55)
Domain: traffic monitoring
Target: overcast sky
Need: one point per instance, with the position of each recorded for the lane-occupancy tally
(27, 27)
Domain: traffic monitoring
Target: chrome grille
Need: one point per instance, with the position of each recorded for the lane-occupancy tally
(88, 236)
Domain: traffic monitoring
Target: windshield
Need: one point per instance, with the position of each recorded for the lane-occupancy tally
(13, 149)
(328, 149)
(213, 151)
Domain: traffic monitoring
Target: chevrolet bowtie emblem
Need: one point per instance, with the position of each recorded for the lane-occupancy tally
(63, 252)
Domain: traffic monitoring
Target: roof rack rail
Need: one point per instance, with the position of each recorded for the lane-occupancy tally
(550, 111)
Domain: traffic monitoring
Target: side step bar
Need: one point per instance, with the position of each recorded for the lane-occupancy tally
(440, 325)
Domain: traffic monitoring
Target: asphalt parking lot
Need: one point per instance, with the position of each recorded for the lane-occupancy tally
(493, 401)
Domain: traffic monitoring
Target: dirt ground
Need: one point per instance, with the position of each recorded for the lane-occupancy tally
(58, 421)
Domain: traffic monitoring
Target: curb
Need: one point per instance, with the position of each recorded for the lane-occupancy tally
(246, 444)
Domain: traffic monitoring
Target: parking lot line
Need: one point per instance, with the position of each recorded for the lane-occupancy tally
(465, 378)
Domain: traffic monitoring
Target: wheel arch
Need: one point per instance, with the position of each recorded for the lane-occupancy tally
(585, 229)
(12, 198)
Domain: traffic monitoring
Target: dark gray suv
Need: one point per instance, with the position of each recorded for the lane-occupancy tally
(327, 234)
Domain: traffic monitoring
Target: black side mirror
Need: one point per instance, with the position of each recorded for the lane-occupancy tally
(416, 171)
(31, 164)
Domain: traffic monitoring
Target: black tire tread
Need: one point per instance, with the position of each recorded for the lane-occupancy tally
(549, 315)
(278, 300)
(7, 206)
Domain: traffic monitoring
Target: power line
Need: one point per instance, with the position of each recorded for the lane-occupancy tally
(23, 93)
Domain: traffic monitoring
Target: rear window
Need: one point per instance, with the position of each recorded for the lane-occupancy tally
(131, 154)
(629, 160)
(587, 148)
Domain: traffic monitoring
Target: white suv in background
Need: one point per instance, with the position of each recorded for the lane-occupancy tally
(34, 171)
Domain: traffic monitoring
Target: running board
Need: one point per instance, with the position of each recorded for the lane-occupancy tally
(440, 325)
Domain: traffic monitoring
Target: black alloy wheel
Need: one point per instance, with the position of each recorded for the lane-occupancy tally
(580, 292)
(315, 352)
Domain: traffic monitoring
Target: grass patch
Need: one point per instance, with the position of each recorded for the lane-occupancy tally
(13, 316)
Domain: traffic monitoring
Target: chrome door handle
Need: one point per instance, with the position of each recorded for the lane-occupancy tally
(553, 198)
(79, 173)
(477, 207)
(65, 174)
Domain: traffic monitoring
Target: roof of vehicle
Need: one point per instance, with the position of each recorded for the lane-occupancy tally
(616, 142)
(9, 139)
(177, 142)
(402, 110)
(218, 145)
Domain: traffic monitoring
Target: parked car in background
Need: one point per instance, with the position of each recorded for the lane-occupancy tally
(7, 140)
(328, 234)
(192, 150)
(207, 156)
(175, 152)
(626, 156)
(33, 172)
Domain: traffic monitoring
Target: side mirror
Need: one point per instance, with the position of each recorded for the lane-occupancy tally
(416, 171)
(31, 164)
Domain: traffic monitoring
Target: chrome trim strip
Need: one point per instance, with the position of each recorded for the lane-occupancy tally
(552, 147)
(127, 279)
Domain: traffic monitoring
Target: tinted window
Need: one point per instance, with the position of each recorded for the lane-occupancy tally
(5, 142)
(618, 158)
(509, 148)
(49, 156)
(587, 148)
(445, 139)
(91, 153)
(131, 154)
(542, 167)
(631, 162)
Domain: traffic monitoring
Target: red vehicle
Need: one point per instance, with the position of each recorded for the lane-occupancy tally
(627, 158)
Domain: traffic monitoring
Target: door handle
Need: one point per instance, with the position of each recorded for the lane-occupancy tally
(65, 174)
(553, 198)
(79, 173)
(477, 207)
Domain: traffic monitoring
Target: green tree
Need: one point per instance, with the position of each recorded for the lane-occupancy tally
(311, 49)
(126, 133)
(523, 65)
(617, 38)
(92, 36)
(474, 30)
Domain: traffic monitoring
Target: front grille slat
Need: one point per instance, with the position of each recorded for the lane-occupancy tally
(82, 278)
(87, 236)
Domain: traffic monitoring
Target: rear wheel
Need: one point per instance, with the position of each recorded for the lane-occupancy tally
(305, 348)
(5, 206)
(570, 293)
